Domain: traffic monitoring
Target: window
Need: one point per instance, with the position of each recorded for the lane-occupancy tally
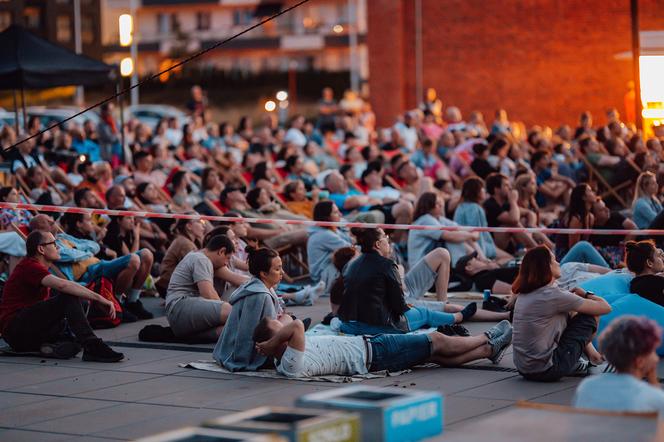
(202, 21)
(242, 17)
(63, 28)
(5, 20)
(32, 17)
(163, 24)
(87, 30)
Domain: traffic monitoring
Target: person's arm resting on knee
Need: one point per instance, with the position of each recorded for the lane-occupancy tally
(74, 289)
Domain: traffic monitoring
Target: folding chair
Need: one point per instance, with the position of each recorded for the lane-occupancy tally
(595, 176)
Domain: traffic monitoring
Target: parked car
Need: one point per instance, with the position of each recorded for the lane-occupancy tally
(152, 114)
(47, 115)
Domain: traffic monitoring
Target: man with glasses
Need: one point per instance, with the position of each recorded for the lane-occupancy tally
(32, 319)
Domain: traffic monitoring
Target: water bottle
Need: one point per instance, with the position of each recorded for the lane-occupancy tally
(487, 295)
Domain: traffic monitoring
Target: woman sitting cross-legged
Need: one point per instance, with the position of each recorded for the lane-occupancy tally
(629, 344)
(373, 296)
(552, 327)
(647, 263)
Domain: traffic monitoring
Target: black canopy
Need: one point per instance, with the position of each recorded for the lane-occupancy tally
(30, 62)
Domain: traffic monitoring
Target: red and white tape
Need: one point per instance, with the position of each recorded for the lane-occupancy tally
(139, 214)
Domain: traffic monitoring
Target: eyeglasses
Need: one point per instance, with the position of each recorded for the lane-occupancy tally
(47, 243)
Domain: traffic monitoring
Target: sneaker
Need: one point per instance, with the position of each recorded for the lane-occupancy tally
(97, 351)
(447, 330)
(128, 316)
(460, 330)
(495, 305)
(59, 350)
(500, 343)
(137, 309)
(582, 368)
(453, 330)
(469, 311)
(498, 329)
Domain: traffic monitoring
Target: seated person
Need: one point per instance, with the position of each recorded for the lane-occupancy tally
(629, 344)
(251, 302)
(193, 308)
(273, 235)
(647, 263)
(486, 274)
(78, 263)
(611, 247)
(322, 243)
(19, 217)
(297, 355)
(298, 200)
(430, 211)
(646, 205)
(470, 213)
(548, 343)
(373, 297)
(12, 245)
(551, 186)
(31, 320)
(353, 205)
(502, 210)
(188, 238)
(480, 164)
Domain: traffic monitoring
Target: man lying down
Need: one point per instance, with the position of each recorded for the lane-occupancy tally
(297, 355)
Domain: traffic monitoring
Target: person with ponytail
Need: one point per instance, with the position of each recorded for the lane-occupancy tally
(253, 301)
(374, 300)
(188, 238)
(646, 262)
(553, 327)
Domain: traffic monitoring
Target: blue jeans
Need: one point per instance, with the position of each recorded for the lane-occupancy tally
(358, 328)
(584, 252)
(107, 269)
(398, 352)
(419, 317)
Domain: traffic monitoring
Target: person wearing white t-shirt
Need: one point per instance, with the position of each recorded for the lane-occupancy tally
(629, 344)
(297, 355)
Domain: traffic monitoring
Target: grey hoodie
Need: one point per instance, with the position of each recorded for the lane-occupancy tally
(251, 302)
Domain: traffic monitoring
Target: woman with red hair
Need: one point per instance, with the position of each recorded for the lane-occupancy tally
(552, 326)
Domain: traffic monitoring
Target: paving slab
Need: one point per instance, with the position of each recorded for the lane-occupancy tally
(88, 382)
(34, 412)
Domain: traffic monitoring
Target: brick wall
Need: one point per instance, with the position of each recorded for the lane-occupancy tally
(545, 61)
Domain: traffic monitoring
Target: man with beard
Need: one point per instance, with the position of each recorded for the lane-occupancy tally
(90, 179)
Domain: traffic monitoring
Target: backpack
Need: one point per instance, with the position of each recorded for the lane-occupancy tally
(98, 316)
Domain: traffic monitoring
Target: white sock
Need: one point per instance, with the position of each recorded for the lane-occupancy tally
(134, 294)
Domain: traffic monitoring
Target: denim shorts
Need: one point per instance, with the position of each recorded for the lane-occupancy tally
(107, 269)
(398, 352)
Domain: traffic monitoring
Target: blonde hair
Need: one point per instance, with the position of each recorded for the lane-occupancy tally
(639, 191)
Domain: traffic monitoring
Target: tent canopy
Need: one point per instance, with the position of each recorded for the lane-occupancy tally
(30, 62)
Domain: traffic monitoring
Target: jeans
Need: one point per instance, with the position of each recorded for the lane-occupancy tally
(358, 328)
(584, 252)
(398, 352)
(108, 269)
(579, 332)
(44, 322)
(419, 317)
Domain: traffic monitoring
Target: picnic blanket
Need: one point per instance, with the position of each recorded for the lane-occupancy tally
(213, 366)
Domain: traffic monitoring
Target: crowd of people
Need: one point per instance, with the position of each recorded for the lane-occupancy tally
(231, 283)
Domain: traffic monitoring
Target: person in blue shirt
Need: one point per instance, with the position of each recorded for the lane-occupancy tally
(353, 205)
(629, 344)
(471, 213)
(646, 206)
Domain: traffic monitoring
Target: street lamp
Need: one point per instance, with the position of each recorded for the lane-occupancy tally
(270, 106)
(282, 95)
(126, 27)
(126, 67)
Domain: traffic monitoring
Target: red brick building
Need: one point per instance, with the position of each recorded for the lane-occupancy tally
(545, 61)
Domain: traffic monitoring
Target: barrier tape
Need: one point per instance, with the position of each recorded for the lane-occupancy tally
(307, 223)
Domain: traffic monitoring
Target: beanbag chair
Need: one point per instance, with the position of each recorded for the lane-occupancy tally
(610, 286)
(631, 304)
